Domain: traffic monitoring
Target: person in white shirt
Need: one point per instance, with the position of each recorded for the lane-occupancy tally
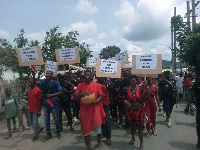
(179, 86)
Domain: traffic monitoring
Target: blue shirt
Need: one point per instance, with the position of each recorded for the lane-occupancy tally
(57, 86)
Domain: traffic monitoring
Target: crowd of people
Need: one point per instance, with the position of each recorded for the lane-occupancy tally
(131, 97)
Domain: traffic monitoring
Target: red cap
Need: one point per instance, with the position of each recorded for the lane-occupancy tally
(30, 80)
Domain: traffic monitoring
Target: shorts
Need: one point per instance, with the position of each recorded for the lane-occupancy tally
(179, 89)
(96, 131)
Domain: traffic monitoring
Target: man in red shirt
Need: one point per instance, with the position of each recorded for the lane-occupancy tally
(34, 96)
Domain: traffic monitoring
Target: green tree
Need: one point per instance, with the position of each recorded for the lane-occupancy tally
(191, 46)
(53, 40)
(109, 52)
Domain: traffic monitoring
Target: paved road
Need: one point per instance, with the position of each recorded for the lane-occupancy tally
(181, 136)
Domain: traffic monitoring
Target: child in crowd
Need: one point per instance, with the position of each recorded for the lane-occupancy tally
(10, 104)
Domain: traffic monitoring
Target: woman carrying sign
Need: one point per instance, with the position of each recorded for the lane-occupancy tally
(92, 115)
(135, 109)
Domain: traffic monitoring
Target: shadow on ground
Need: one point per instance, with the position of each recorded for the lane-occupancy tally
(183, 145)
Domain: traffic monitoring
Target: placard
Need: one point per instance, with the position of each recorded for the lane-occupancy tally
(91, 62)
(108, 68)
(51, 66)
(128, 65)
(146, 61)
(67, 55)
(28, 56)
(123, 57)
(147, 71)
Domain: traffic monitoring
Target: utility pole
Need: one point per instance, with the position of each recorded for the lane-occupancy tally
(174, 49)
(193, 15)
(188, 14)
(172, 45)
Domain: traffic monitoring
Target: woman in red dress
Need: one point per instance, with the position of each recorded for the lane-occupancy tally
(135, 109)
(151, 96)
(92, 116)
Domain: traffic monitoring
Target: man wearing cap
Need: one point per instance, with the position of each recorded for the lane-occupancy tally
(165, 88)
(50, 90)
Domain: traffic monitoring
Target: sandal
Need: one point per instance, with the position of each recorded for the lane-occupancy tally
(148, 135)
(154, 133)
(131, 142)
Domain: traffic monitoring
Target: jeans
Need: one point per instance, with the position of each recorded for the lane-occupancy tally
(33, 117)
(54, 110)
(106, 128)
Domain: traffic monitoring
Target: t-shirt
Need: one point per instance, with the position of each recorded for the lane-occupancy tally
(51, 87)
(167, 89)
(196, 89)
(34, 96)
(179, 81)
(105, 96)
(10, 107)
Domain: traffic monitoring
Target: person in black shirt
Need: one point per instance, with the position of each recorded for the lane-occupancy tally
(195, 93)
(165, 88)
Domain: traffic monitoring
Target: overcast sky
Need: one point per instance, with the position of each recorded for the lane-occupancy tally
(139, 26)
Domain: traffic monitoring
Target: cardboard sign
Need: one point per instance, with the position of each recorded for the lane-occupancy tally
(129, 65)
(51, 66)
(108, 68)
(146, 61)
(123, 57)
(91, 62)
(67, 55)
(29, 56)
(145, 67)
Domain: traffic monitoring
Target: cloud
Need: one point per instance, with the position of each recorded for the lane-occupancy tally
(102, 36)
(129, 46)
(4, 34)
(81, 27)
(114, 33)
(86, 7)
(39, 36)
(145, 21)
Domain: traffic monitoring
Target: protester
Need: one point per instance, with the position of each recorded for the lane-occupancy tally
(151, 96)
(166, 91)
(135, 109)
(10, 104)
(92, 116)
(179, 85)
(106, 128)
(50, 90)
(23, 108)
(34, 97)
(195, 93)
(64, 102)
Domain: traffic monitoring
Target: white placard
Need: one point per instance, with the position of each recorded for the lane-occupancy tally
(51, 66)
(112, 58)
(67, 54)
(121, 56)
(146, 61)
(108, 66)
(128, 65)
(29, 54)
(92, 61)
